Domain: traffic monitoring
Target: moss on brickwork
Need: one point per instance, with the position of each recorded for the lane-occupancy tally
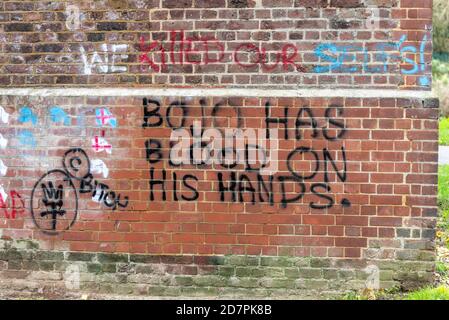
(218, 276)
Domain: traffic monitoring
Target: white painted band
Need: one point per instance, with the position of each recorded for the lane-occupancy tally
(211, 92)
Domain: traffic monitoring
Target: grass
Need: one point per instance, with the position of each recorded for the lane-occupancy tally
(439, 293)
(443, 204)
(444, 132)
(443, 188)
(441, 268)
(353, 296)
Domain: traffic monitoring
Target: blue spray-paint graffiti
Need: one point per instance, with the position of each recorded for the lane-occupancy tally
(352, 58)
(27, 115)
(58, 115)
(104, 117)
(81, 120)
(423, 81)
(26, 138)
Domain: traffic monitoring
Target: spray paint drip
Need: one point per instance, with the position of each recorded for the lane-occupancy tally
(423, 80)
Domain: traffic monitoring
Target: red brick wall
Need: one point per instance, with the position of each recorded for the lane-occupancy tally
(88, 181)
(350, 172)
(217, 43)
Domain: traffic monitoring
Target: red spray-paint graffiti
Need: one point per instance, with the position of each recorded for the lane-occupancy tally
(286, 58)
(15, 204)
(205, 50)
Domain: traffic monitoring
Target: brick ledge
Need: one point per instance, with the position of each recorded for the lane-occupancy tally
(193, 92)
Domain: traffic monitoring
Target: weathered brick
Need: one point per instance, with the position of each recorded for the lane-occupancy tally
(177, 3)
(80, 256)
(249, 272)
(184, 280)
(111, 26)
(310, 273)
(95, 37)
(49, 255)
(19, 27)
(112, 258)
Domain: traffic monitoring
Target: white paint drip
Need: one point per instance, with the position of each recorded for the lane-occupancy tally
(4, 116)
(3, 142)
(3, 169)
(99, 167)
(3, 194)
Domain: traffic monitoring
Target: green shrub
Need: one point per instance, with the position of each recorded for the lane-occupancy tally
(440, 69)
(441, 91)
(444, 132)
(440, 26)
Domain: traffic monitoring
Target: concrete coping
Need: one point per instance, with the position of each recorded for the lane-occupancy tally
(215, 92)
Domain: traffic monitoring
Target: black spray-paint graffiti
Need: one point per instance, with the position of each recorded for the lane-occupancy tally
(54, 199)
(248, 184)
(77, 164)
(54, 202)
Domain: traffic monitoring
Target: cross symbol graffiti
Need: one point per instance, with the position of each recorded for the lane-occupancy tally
(103, 117)
(98, 147)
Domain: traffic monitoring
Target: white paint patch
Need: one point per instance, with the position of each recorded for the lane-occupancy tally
(3, 194)
(99, 167)
(3, 169)
(3, 142)
(4, 116)
(97, 197)
(73, 17)
(72, 277)
(373, 280)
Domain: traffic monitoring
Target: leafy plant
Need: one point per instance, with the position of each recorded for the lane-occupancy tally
(353, 296)
(440, 26)
(440, 87)
(440, 69)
